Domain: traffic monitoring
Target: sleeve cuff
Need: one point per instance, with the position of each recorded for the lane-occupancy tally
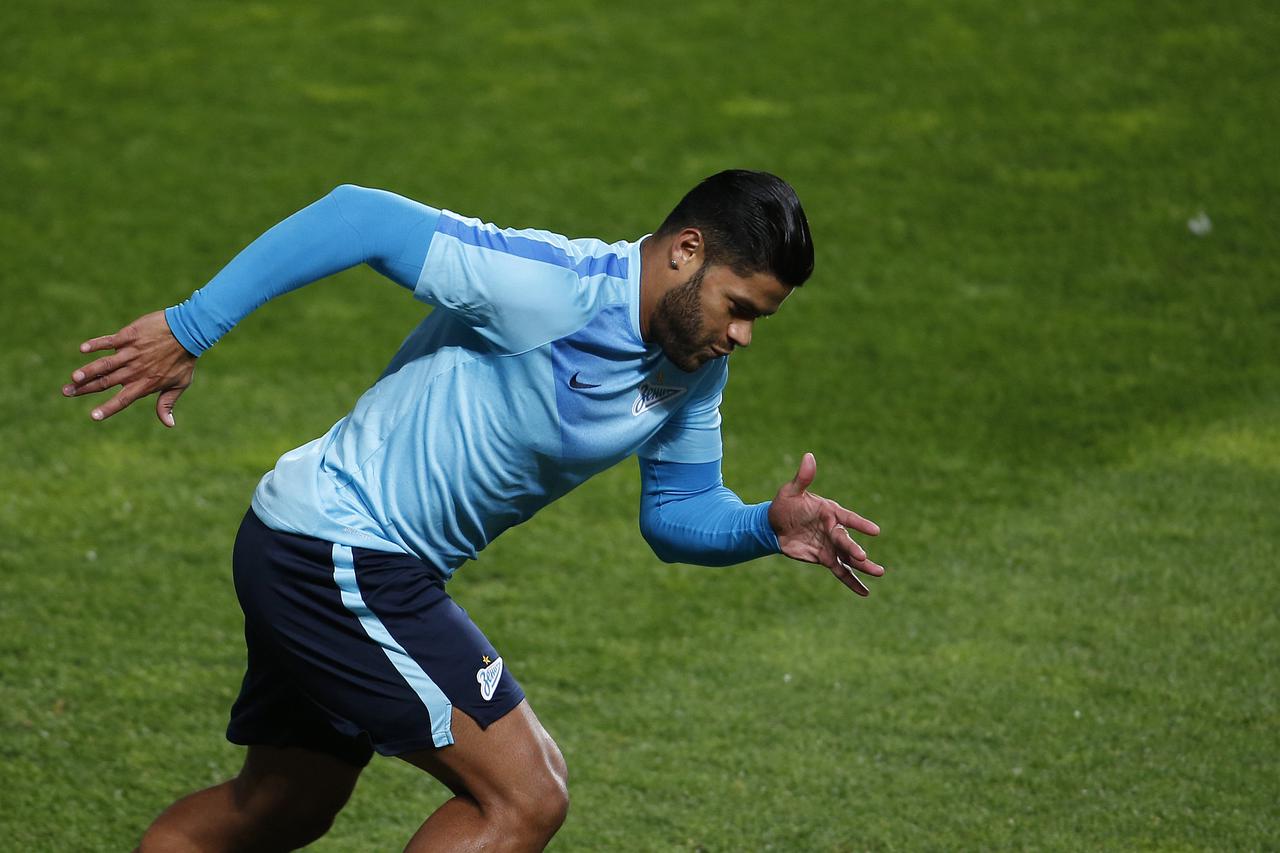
(764, 530)
(176, 319)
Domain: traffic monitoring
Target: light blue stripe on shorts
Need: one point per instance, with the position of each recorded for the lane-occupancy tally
(439, 708)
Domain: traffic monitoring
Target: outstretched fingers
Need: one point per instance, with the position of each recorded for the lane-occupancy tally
(846, 559)
(844, 543)
(99, 343)
(94, 385)
(849, 578)
(852, 554)
(849, 518)
(122, 400)
(98, 368)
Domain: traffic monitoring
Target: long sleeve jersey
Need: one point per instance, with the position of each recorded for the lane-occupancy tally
(528, 377)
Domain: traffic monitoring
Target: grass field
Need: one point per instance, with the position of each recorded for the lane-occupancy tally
(1060, 403)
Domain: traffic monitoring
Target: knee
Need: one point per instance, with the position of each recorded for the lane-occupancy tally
(555, 793)
(300, 825)
(538, 808)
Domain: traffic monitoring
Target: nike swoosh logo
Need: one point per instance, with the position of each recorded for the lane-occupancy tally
(578, 386)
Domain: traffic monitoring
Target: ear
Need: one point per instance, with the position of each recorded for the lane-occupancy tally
(686, 245)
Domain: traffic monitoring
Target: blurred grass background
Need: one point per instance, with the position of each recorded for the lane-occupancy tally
(1060, 402)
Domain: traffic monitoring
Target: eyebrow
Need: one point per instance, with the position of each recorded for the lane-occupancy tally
(751, 306)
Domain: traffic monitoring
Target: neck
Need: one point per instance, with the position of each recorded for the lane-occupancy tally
(654, 279)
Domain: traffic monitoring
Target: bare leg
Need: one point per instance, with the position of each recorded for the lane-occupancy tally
(283, 799)
(509, 785)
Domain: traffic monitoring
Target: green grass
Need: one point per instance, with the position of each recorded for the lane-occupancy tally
(1059, 403)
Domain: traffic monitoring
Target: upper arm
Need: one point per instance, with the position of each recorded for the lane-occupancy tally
(394, 232)
(518, 289)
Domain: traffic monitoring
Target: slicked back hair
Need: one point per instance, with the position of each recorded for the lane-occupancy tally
(751, 222)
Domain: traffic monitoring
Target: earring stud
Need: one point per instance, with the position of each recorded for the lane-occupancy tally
(674, 265)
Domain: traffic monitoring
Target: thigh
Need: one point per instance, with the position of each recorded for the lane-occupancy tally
(510, 759)
(293, 779)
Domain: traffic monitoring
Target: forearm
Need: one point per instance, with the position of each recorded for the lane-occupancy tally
(687, 515)
(349, 226)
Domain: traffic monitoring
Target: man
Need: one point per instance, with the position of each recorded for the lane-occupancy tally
(545, 361)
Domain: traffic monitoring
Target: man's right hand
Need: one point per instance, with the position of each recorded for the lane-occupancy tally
(147, 359)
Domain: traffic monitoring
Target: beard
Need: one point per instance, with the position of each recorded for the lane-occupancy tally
(677, 324)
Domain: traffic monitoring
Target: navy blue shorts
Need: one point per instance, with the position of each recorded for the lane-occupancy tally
(353, 650)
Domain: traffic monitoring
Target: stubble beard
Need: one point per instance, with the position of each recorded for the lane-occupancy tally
(678, 326)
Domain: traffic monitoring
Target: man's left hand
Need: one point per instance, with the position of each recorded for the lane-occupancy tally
(816, 530)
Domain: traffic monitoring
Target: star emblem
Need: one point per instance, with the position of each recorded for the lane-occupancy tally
(486, 660)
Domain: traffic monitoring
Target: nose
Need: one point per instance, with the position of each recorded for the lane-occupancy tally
(740, 332)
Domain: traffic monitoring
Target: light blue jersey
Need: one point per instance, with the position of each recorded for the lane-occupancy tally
(528, 377)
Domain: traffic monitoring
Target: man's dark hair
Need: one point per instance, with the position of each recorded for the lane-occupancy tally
(751, 222)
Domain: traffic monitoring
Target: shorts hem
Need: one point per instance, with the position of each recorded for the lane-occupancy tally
(488, 719)
(357, 756)
(402, 747)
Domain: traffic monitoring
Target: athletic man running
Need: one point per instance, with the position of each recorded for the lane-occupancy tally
(545, 361)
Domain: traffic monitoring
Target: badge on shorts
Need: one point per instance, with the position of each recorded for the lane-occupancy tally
(487, 677)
